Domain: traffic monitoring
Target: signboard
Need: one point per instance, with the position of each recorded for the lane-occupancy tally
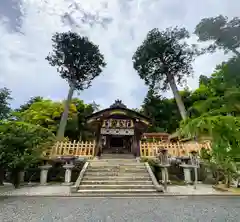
(106, 131)
(118, 123)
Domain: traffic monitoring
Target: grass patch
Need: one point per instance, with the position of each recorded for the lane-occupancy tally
(178, 183)
(235, 190)
(223, 188)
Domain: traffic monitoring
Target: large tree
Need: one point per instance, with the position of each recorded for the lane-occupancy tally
(78, 61)
(224, 33)
(164, 58)
(4, 103)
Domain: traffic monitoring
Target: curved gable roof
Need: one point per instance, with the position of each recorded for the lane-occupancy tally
(118, 106)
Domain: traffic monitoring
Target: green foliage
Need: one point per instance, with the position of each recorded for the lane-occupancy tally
(45, 113)
(220, 128)
(22, 144)
(227, 74)
(162, 111)
(79, 122)
(225, 134)
(204, 80)
(225, 33)
(77, 59)
(27, 105)
(4, 103)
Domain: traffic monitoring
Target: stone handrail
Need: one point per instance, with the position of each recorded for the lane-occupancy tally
(75, 187)
(157, 186)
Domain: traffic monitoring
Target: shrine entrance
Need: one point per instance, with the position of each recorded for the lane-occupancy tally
(116, 141)
(120, 144)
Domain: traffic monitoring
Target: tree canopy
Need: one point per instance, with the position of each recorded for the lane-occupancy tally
(224, 33)
(77, 59)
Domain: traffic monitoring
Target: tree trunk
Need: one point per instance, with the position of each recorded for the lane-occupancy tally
(64, 117)
(177, 97)
(15, 177)
(2, 172)
(80, 136)
(217, 177)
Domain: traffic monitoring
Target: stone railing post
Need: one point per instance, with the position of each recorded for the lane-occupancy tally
(21, 176)
(164, 164)
(44, 173)
(68, 174)
(187, 174)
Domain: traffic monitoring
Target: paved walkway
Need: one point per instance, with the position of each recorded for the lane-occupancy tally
(52, 190)
(58, 190)
(202, 189)
(162, 209)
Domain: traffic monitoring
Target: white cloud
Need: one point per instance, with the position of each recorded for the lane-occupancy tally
(24, 70)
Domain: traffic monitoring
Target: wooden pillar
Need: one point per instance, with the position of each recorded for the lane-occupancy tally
(138, 136)
(108, 142)
(136, 144)
(98, 141)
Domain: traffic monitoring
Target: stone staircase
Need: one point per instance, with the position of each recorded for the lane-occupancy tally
(116, 177)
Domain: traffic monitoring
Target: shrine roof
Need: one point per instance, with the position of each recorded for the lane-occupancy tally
(118, 105)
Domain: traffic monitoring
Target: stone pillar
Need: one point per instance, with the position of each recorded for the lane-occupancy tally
(164, 172)
(68, 174)
(196, 177)
(21, 176)
(187, 175)
(44, 173)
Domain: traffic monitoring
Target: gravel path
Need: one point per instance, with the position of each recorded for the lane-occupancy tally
(165, 209)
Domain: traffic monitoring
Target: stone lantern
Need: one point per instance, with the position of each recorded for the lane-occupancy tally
(194, 161)
(69, 164)
(164, 163)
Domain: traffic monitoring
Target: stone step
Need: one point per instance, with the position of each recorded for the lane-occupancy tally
(118, 156)
(116, 165)
(116, 191)
(119, 160)
(137, 170)
(115, 186)
(118, 178)
(103, 174)
(122, 194)
(115, 182)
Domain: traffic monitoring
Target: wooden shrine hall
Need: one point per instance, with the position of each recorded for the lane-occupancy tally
(118, 129)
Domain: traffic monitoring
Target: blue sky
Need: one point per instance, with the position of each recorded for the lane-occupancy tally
(117, 26)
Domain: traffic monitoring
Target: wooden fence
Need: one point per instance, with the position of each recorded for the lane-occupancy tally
(147, 149)
(151, 149)
(78, 149)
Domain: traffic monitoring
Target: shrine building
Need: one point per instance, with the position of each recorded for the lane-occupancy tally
(118, 130)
